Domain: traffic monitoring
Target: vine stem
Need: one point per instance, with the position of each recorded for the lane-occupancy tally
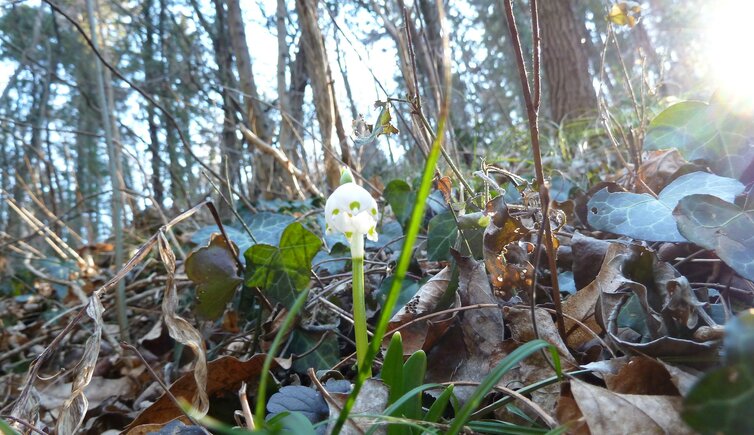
(532, 112)
(359, 305)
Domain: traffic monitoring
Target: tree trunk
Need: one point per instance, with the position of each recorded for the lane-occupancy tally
(314, 47)
(565, 61)
(266, 171)
(231, 154)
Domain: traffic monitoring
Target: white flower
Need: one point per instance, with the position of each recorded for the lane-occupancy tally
(351, 210)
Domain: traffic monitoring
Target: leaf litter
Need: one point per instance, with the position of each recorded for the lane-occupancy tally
(645, 332)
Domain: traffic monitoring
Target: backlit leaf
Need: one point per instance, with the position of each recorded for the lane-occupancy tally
(722, 226)
(643, 217)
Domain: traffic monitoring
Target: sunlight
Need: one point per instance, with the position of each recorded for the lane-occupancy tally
(729, 35)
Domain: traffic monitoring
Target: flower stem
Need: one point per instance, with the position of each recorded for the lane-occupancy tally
(359, 306)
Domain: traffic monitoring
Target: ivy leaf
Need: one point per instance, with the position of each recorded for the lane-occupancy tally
(320, 350)
(643, 217)
(283, 270)
(441, 235)
(702, 131)
(215, 272)
(401, 197)
(720, 403)
(715, 224)
(266, 227)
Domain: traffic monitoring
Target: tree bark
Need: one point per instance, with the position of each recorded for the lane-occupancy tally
(266, 170)
(565, 61)
(318, 67)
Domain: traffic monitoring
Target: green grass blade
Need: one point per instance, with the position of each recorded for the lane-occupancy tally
(438, 408)
(494, 377)
(282, 332)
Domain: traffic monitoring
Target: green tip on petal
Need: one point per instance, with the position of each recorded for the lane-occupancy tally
(374, 211)
(335, 212)
(355, 205)
(345, 175)
(348, 234)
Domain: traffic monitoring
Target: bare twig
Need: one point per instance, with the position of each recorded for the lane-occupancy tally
(532, 112)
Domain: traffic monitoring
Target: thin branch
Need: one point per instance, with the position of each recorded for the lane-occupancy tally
(532, 112)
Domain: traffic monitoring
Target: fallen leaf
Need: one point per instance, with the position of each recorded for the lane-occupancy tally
(225, 377)
(657, 170)
(641, 375)
(75, 407)
(483, 328)
(372, 399)
(423, 334)
(607, 412)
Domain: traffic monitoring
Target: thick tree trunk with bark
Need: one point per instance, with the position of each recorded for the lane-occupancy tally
(318, 67)
(565, 61)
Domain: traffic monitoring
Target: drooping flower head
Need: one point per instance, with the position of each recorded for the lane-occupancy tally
(351, 210)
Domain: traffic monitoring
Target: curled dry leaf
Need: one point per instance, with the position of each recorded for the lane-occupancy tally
(607, 412)
(181, 330)
(423, 334)
(75, 407)
(483, 328)
(500, 232)
(225, 374)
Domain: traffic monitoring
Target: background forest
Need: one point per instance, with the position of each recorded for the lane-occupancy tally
(119, 120)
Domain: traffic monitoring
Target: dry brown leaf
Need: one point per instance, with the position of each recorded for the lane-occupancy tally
(423, 334)
(74, 408)
(372, 399)
(536, 367)
(641, 375)
(683, 379)
(98, 390)
(180, 329)
(611, 413)
(500, 232)
(445, 186)
(225, 375)
(483, 328)
(657, 170)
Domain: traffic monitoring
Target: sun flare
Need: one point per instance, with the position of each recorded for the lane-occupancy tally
(729, 31)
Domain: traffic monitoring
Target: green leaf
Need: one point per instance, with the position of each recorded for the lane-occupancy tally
(401, 198)
(214, 270)
(392, 368)
(720, 403)
(441, 236)
(643, 217)
(265, 226)
(703, 131)
(285, 270)
(323, 357)
(560, 187)
(6, 429)
(413, 376)
(739, 338)
(713, 223)
(438, 408)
